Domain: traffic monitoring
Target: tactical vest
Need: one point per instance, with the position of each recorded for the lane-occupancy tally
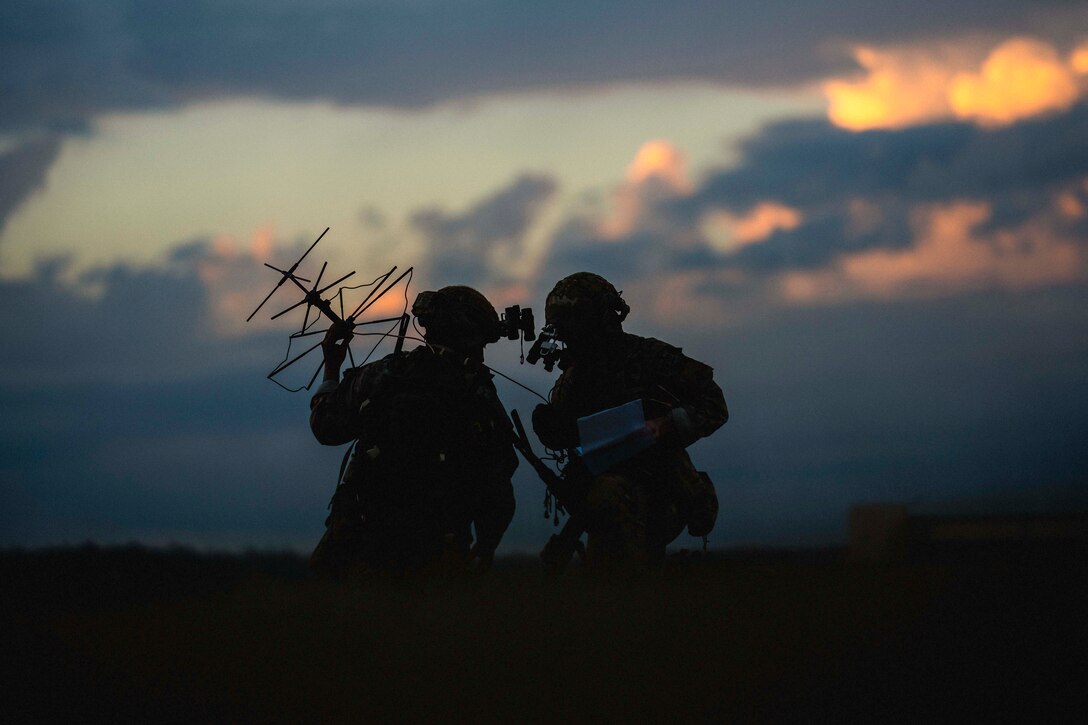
(429, 423)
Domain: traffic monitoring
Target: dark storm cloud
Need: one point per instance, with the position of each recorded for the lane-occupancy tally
(821, 170)
(62, 62)
(22, 172)
(121, 321)
(825, 172)
(126, 417)
(807, 164)
(463, 248)
(128, 322)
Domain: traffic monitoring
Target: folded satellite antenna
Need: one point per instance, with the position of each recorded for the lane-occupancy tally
(313, 298)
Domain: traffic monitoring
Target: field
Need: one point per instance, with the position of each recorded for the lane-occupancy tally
(135, 635)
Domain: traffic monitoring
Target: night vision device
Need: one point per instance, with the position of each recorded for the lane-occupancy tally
(545, 348)
(518, 322)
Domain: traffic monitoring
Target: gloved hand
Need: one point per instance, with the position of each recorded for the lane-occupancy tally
(334, 350)
(554, 429)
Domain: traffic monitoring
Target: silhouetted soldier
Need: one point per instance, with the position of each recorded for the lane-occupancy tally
(433, 456)
(634, 509)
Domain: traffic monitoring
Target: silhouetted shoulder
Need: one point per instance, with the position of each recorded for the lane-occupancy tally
(649, 351)
(649, 346)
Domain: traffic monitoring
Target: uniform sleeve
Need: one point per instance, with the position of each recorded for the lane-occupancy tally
(700, 407)
(554, 428)
(495, 497)
(495, 510)
(553, 423)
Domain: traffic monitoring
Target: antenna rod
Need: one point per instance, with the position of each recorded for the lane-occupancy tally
(283, 366)
(285, 275)
(380, 294)
(404, 320)
(379, 282)
(313, 297)
(296, 335)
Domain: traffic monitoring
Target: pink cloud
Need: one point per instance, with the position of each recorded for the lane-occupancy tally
(728, 232)
(658, 170)
(951, 253)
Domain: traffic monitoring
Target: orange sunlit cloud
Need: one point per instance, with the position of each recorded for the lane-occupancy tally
(728, 232)
(1078, 61)
(224, 245)
(660, 159)
(262, 241)
(949, 254)
(658, 168)
(1071, 206)
(1019, 78)
(235, 281)
(899, 89)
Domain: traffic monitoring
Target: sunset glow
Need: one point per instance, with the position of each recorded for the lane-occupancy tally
(949, 254)
(661, 160)
(261, 243)
(898, 90)
(1079, 60)
(656, 161)
(762, 221)
(1019, 78)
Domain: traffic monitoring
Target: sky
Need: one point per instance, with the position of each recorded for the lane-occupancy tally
(870, 218)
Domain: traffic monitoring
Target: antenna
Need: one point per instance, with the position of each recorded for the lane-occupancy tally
(313, 297)
(287, 274)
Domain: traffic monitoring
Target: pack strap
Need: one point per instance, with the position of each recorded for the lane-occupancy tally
(343, 467)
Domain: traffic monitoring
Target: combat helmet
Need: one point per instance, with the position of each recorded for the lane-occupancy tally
(456, 309)
(587, 295)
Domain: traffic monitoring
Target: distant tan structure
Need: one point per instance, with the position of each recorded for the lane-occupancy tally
(888, 532)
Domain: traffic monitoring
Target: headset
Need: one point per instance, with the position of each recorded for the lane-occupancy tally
(548, 346)
(442, 309)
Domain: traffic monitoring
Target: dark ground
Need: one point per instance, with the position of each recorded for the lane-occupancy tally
(132, 635)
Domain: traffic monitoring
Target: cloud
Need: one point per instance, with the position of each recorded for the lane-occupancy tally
(136, 404)
(120, 322)
(23, 171)
(899, 89)
(1019, 78)
(64, 62)
(659, 159)
(814, 214)
(486, 244)
(657, 172)
(182, 316)
(853, 180)
(726, 231)
(1078, 61)
(949, 253)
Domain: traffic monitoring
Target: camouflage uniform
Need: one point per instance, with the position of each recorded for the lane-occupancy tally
(433, 458)
(637, 507)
